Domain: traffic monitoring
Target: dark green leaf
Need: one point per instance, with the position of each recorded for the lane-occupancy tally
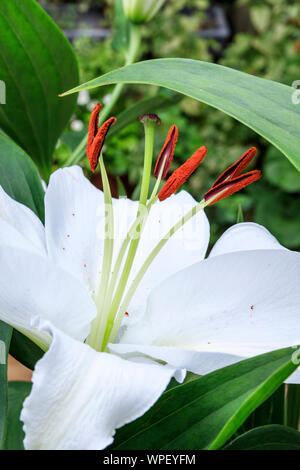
(263, 105)
(24, 350)
(19, 177)
(204, 413)
(273, 437)
(293, 406)
(5, 335)
(270, 412)
(36, 63)
(17, 392)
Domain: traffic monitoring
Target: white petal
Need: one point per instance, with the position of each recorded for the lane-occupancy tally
(243, 237)
(74, 208)
(32, 287)
(184, 248)
(239, 304)
(80, 396)
(19, 226)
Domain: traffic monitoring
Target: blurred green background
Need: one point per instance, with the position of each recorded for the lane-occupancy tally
(260, 38)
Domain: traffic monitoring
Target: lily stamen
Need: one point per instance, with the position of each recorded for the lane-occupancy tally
(179, 177)
(167, 152)
(237, 168)
(231, 186)
(96, 136)
(231, 180)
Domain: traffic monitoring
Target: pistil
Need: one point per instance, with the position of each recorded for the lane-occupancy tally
(97, 331)
(150, 122)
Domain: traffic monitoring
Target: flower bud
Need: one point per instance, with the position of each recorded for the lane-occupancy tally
(141, 11)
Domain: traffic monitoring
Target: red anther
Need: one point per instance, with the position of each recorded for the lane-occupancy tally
(96, 136)
(179, 177)
(93, 124)
(228, 187)
(237, 168)
(166, 153)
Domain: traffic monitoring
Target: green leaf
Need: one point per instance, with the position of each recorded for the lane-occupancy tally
(5, 335)
(20, 180)
(19, 177)
(261, 17)
(270, 412)
(36, 63)
(263, 105)
(272, 437)
(240, 215)
(17, 392)
(293, 406)
(24, 350)
(204, 413)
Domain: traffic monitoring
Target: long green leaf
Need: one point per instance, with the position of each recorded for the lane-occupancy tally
(17, 392)
(5, 335)
(20, 180)
(206, 412)
(270, 412)
(36, 62)
(19, 177)
(263, 105)
(273, 437)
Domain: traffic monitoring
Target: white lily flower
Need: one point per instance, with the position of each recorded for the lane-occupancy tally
(106, 366)
(199, 319)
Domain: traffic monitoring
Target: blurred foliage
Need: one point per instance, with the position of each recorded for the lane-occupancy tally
(270, 48)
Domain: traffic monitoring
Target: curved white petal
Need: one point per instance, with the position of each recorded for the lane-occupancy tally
(80, 396)
(31, 287)
(73, 210)
(198, 362)
(19, 226)
(239, 304)
(186, 247)
(245, 236)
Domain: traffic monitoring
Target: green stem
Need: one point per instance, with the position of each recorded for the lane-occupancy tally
(135, 40)
(149, 260)
(97, 331)
(142, 216)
